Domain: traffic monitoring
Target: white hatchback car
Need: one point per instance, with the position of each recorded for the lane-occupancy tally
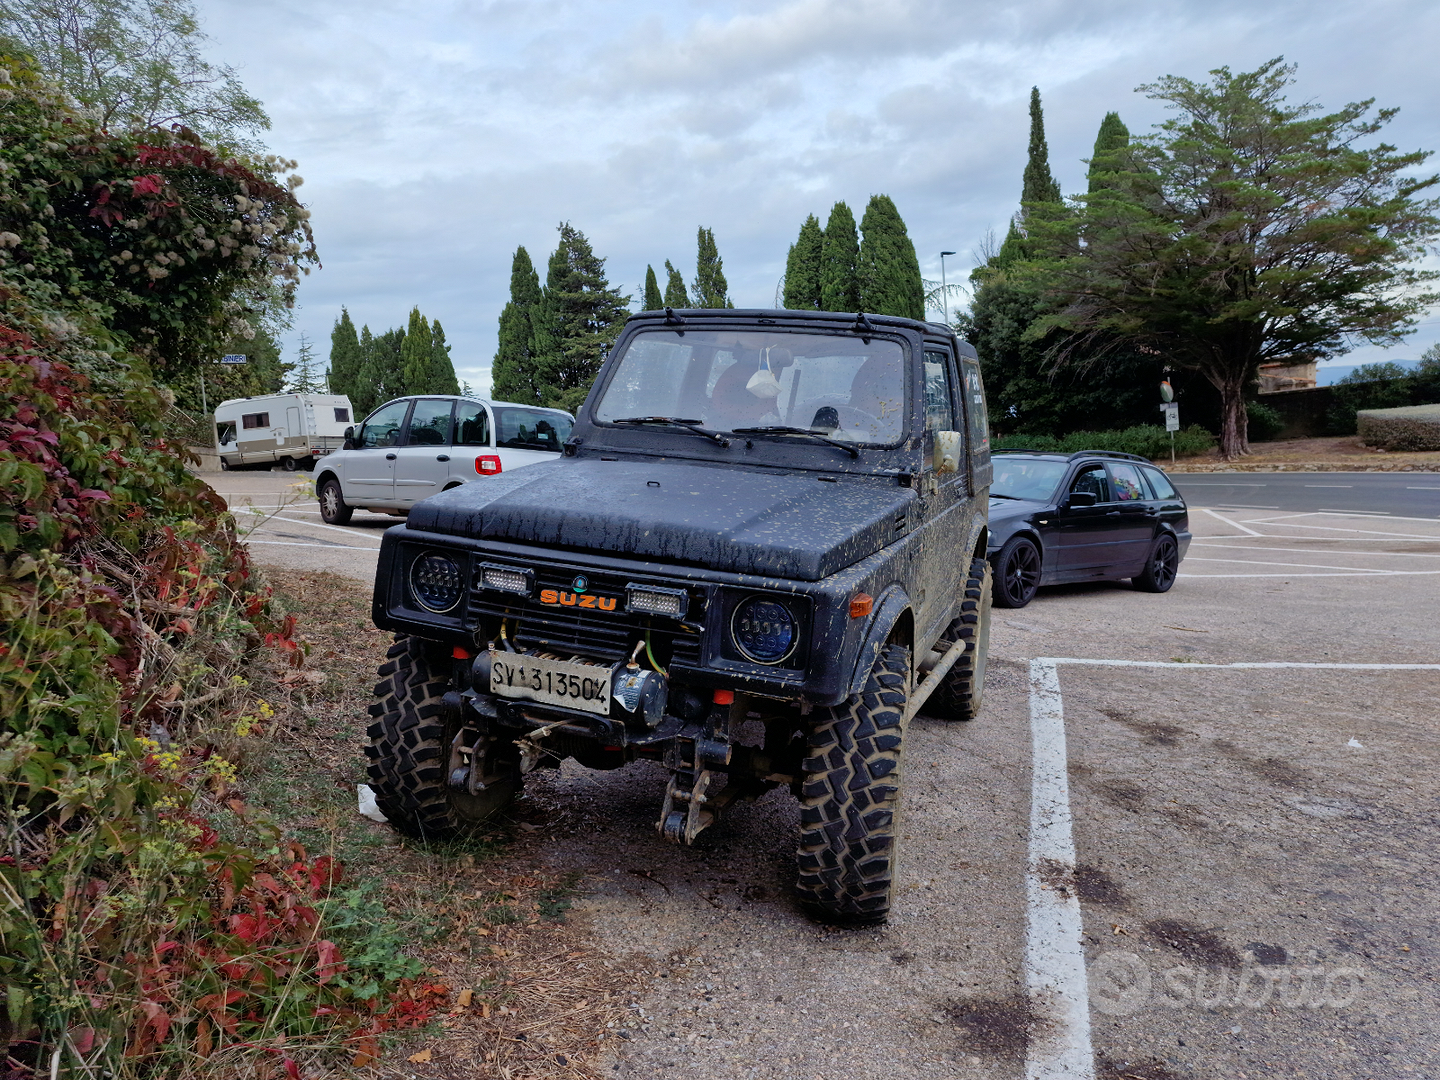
(415, 446)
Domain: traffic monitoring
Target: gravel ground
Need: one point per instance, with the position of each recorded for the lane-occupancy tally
(1235, 829)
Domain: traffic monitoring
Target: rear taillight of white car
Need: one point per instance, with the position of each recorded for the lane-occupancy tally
(487, 464)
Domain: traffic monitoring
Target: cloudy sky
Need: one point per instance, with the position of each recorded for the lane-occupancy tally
(435, 139)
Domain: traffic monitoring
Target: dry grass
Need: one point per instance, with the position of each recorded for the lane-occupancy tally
(1343, 451)
(526, 994)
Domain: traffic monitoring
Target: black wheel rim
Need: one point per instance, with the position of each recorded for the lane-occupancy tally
(1162, 565)
(1022, 574)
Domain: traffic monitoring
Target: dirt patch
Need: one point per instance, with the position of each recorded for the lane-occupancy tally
(526, 996)
(1194, 943)
(1267, 955)
(1123, 794)
(1344, 452)
(1273, 770)
(1000, 1027)
(1095, 886)
(1108, 1068)
(1152, 733)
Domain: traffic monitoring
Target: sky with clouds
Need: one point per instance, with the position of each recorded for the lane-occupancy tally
(437, 137)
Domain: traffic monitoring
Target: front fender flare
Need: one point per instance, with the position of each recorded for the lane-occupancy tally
(893, 606)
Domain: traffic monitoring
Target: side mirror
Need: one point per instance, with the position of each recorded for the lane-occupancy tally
(1082, 498)
(349, 438)
(947, 451)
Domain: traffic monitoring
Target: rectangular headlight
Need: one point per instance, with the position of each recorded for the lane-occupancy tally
(652, 600)
(506, 579)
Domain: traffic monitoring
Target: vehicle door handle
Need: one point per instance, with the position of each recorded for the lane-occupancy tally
(1113, 513)
(442, 457)
(389, 457)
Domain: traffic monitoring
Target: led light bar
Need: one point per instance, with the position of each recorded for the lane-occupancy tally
(507, 579)
(652, 600)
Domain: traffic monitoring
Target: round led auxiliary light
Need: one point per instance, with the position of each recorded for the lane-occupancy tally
(436, 583)
(764, 630)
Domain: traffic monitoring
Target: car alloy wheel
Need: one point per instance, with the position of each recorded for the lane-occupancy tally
(1017, 573)
(1162, 566)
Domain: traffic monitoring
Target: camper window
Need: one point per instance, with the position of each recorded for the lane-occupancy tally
(255, 420)
(342, 416)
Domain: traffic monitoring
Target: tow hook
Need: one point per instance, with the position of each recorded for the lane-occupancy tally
(692, 759)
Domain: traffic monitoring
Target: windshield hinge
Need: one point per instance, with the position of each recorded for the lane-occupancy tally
(571, 445)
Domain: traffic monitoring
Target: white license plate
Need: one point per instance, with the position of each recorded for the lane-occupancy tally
(553, 682)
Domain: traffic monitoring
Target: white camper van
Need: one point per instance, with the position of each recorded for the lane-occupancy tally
(296, 430)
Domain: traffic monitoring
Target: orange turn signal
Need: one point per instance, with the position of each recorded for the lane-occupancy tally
(860, 605)
(724, 697)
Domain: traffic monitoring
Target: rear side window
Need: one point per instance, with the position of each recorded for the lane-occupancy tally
(976, 422)
(430, 422)
(1160, 484)
(939, 406)
(531, 429)
(472, 424)
(342, 416)
(1126, 483)
(255, 420)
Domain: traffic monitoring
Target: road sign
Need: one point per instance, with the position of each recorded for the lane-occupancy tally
(1172, 417)
(233, 358)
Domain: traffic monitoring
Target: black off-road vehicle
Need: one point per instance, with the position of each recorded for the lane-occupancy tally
(761, 553)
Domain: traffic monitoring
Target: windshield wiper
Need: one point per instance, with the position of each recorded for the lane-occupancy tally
(677, 421)
(1001, 495)
(779, 429)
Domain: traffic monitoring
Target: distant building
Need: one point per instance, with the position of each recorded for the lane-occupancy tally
(1288, 375)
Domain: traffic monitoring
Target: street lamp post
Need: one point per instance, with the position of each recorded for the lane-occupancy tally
(944, 288)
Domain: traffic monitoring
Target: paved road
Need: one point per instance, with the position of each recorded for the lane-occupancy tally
(1410, 494)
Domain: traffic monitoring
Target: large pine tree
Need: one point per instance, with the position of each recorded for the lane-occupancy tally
(804, 267)
(442, 368)
(1110, 142)
(889, 272)
(379, 379)
(344, 356)
(839, 262)
(675, 295)
(415, 355)
(579, 318)
(1038, 186)
(653, 300)
(710, 288)
(514, 376)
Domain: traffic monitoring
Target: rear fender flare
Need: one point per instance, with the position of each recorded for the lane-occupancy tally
(892, 613)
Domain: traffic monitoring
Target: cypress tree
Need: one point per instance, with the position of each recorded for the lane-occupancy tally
(711, 290)
(344, 356)
(1039, 186)
(442, 368)
(889, 272)
(675, 296)
(653, 300)
(839, 259)
(579, 318)
(415, 355)
(380, 376)
(804, 266)
(1112, 138)
(513, 377)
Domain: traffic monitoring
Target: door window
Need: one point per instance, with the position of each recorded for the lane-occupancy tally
(430, 423)
(939, 400)
(225, 433)
(1092, 479)
(382, 428)
(472, 424)
(1126, 483)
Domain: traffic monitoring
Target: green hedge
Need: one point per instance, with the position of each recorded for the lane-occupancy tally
(1147, 440)
(1416, 427)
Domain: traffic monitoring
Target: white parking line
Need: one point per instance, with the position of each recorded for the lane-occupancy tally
(322, 525)
(1227, 521)
(1206, 542)
(1055, 975)
(1055, 979)
(1308, 566)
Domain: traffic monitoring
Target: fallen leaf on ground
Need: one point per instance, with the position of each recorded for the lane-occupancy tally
(464, 998)
(420, 1058)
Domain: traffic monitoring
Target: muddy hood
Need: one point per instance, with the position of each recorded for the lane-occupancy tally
(779, 525)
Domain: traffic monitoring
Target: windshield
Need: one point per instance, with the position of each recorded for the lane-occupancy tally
(1026, 478)
(518, 428)
(832, 384)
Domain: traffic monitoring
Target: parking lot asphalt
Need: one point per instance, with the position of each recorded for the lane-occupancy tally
(1412, 494)
(1141, 860)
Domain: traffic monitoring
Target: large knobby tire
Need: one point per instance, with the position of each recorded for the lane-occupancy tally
(409, 748)
(850, 799)
(1017, 572)
(333, 509)
(960, 692)
(1161, 566)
